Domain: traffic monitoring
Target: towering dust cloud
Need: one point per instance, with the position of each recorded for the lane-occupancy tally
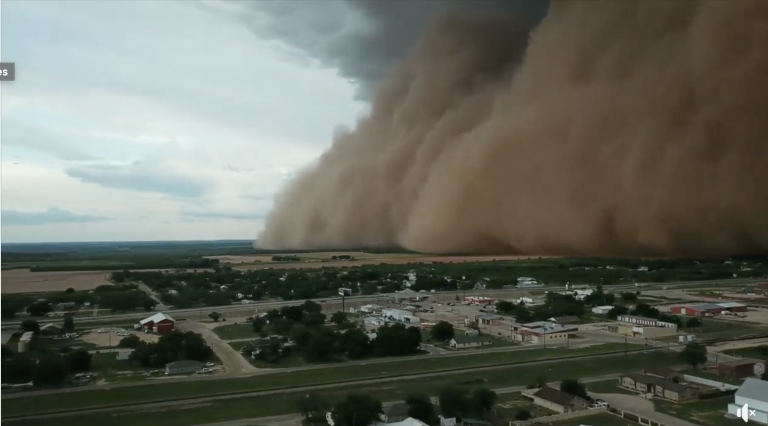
(613, 128)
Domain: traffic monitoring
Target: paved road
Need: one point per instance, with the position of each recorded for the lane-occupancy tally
(145, 288)
(640, 406)
(166, 404)
(235, 363)
(380, 297)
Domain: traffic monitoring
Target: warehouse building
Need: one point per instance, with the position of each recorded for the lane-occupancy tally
(754, 394)
(646, 322)
(697, 309)
(742, 368)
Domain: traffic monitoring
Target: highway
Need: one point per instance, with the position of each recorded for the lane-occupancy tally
(265, 305)
(145, 406)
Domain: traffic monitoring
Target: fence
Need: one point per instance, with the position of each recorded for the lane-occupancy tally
(710, 383)
(558, 417)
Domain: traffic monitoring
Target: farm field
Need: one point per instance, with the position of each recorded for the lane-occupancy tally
(24, 281)
(277, 403)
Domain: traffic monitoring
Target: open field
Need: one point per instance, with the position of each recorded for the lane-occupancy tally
(602, 419)
(274, 403)
(111, 339)
(235, 331)
(24, 281)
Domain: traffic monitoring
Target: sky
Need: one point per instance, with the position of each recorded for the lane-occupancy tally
(156, 120)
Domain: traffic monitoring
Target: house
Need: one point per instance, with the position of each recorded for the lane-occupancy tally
(556, 400)
(567, 320)
(462, 342)
(487, 319)
(754, 393)
(158, 323)
(742, 368)
(545, 332)
(602, 310)
(664, 373)
(66, 306)
(182, 367)
(396, 413)
(51, 329)
(659, 387)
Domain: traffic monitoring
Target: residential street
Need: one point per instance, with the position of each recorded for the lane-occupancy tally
(235, 363)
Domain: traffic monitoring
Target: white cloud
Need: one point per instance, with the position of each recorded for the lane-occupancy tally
(153, 113)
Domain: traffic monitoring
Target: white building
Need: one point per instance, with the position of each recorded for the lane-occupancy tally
(395, 314)
(374, 321)
(754, 393)
(369, 308)
(524, 301)
(602, 310)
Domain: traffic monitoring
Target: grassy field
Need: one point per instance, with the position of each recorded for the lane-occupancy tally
(705, 413)
(608, 386)
(754, 352)
(712, 376)
(284, 403)
(235, 331)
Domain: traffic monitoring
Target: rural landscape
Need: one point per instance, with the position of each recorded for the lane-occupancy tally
(195, 334)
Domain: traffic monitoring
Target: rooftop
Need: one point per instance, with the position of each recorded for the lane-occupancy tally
(156, 318)
(470, 339)
(738, 362)
(555, 396)
(666, 384)
(731, 305)
(703, 306)
(565, 320)
(754, 389)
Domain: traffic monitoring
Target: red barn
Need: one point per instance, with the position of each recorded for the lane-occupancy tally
(158, 323)
(697, 310)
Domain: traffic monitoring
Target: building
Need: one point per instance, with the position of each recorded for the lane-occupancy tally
(697, 309)
(463, 342)
(644, 321)
(742, 368)
(478, 300)
(123, 354)
(487, 319)
(567, 320)
(25, 341)
(561, 402)
(659, 387)
(733, 307)
(686, 337)
(602, 310)
(158, 323)
(395, 413)
(183, 367)
(374, 321)
(543, 332)
(754, 393)
(66, 306)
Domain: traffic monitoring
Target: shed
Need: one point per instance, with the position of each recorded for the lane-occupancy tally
(182, 367)
(602, 310)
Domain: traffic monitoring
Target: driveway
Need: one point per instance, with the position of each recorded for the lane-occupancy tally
(235, 363)
(639, 406)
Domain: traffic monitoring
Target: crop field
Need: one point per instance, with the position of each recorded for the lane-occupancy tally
(24, 281)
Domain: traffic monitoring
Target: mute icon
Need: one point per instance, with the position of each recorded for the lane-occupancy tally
(744, 412)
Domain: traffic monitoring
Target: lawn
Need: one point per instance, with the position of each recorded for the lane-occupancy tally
(235, 331)
(274, 403)
(331, 374)
(717, 326)
(709, 412)
(608, 386)
(294, 360)
(712, 376)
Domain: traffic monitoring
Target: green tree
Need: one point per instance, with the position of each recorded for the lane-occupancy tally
(339, 318)
(79, 360)
(355, 344)
(693, 322)
(616, 311)
(214, 316)
(50, 370)
(482, 401)
(131, 342)
(357, 410)
(573, 387)
(257, 324)
(442, 331)
(7, 352)
(69, 290)
(420, 407)
(69, 323)
(694, 354)
(313, 406)
(30, 325)
(454, 402)
(505, 307)
(522, 414)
